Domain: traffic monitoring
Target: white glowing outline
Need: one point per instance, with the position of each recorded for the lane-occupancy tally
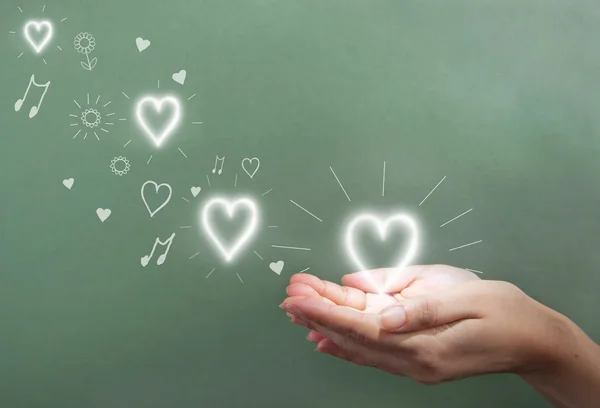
(38, 25)
(230, 206)
(158, 104)
(382, 227)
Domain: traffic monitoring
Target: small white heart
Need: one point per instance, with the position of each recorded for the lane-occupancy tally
(103, 214)
(145, 260)
(179, 77)
(250, 162)
(142, 44)
(68, 183)
(276, 267)
(195, 191)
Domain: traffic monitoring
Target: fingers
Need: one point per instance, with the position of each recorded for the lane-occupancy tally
(461, 302)
(341, 295)
(304, 290)
(345, 322)
(394, 280)
(314, 336)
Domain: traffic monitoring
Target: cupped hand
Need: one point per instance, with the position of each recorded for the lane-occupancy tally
(360, 289)
(444, 323)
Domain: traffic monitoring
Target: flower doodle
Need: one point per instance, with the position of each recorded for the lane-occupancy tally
(85, 43)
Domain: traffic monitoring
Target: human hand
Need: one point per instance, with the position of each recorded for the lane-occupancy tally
(446, 325)
(360, 288)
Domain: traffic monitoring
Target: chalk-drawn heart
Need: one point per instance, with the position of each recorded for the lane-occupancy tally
(103, 213)
(195, 191)
(36, 27)
(230, 207)
(145, 260)
(156, 188)
(383, 227)
(248, 163)
(68, 183)
(142, 44)
(179, 77)
(157, 104)
(276, 267)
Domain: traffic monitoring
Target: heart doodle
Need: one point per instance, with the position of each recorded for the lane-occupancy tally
(383, 227)
(141, 44)
(195, 190)
(249, 162)
(179, 77)
(68, 183)
(276, 267)
(103, 213)
(158, 137)
(38, 46)
(230, 207)
(156, 188)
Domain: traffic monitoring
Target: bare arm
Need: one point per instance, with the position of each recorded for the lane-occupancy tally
(572, 376)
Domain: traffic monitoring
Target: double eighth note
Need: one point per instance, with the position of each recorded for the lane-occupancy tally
(36, 108)
(161, 259)
(218, 160)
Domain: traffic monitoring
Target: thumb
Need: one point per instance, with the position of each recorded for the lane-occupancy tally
(428, 311)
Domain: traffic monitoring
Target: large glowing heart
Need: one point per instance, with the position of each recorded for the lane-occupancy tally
(230, 207)
(383, 226)
(158, 136)
(38, 45)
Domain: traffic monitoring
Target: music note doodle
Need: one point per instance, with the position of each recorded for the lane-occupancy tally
(161, 259)
(36, 108)
(219, 159)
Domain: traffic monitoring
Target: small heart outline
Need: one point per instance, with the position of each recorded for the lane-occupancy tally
(250, 161)
(156, 188)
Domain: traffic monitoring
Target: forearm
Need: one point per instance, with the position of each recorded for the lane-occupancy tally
(572, 377)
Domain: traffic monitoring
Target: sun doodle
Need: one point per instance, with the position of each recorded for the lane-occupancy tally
(94, 118)
(120, 166)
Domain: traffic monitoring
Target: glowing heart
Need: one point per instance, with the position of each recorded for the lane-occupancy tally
(230, 207)
(383, 227)
(157, 104)
(39, 45)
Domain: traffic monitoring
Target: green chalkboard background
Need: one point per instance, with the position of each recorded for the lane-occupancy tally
(499, 97)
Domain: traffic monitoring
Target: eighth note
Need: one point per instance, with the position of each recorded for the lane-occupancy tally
(162, 257)
(219, 159)
(36, 108)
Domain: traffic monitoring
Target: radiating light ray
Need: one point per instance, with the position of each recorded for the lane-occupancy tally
(436, 186)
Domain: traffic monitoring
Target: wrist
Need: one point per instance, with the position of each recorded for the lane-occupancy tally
(568, 369)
